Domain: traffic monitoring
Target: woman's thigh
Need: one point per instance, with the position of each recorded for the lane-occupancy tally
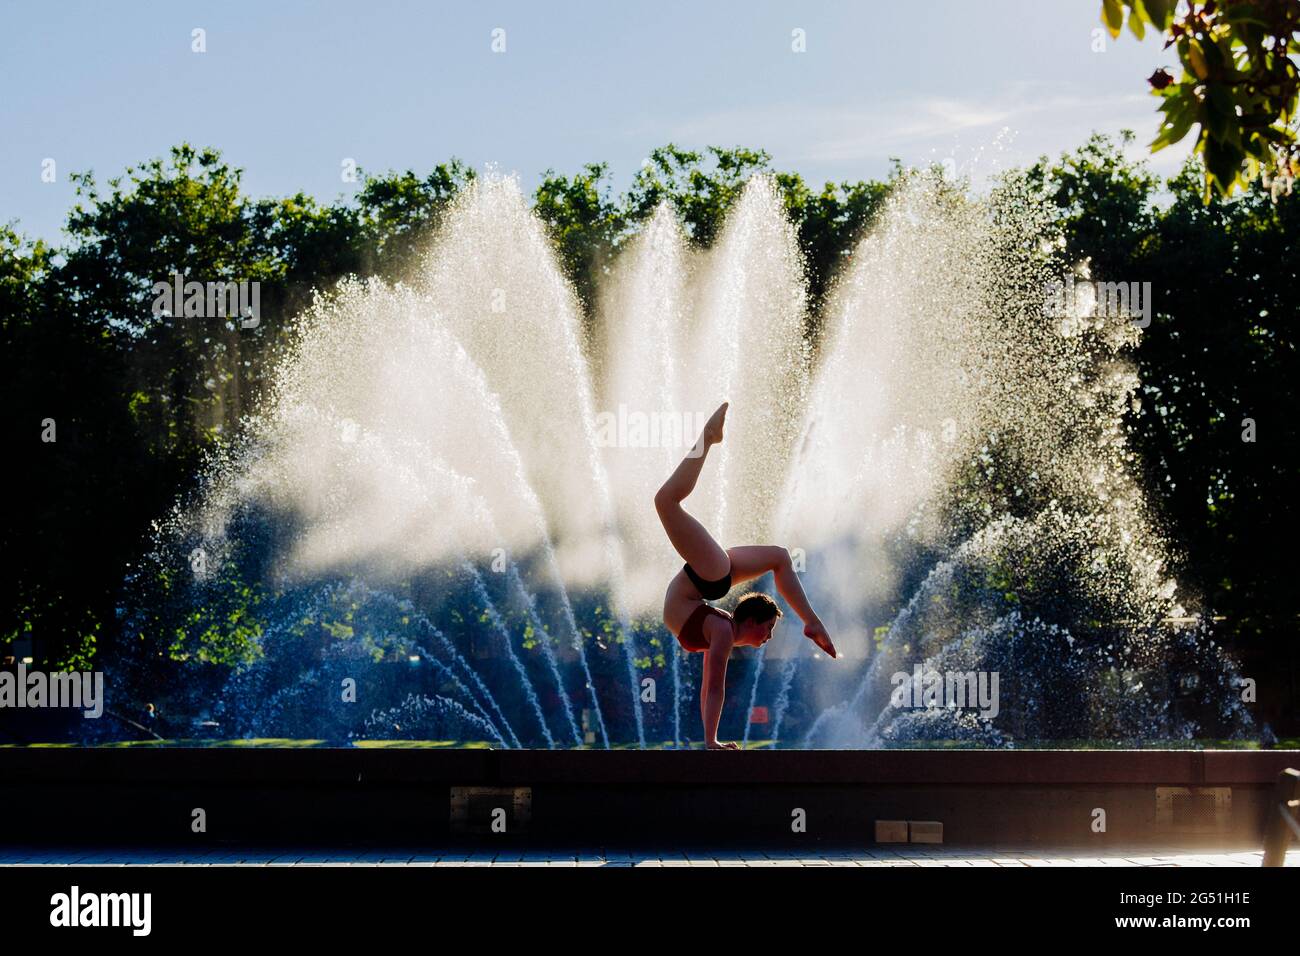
(679, 603)
(754, 560)
(694, 543)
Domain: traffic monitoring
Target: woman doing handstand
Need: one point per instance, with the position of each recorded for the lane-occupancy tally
(710, 572)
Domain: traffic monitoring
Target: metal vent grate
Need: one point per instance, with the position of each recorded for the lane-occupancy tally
(1193, 809)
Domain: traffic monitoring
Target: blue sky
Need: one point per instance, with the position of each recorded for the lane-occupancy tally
(289, 90)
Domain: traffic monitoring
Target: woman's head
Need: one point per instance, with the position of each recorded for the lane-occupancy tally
(755, 616)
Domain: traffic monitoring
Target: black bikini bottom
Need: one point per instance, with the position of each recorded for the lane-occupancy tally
(709, 590)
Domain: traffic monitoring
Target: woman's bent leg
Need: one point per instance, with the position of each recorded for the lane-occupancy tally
(690, 538)
(754, 560)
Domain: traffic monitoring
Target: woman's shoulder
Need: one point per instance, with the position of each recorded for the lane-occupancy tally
(707, 610)
(718, 620)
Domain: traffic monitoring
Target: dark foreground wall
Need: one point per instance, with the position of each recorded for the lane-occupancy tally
(603, 798)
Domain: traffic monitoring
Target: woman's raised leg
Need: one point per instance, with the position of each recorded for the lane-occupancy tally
(755, 560)
(690, 538)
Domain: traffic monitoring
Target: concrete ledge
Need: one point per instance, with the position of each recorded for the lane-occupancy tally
(317, 796)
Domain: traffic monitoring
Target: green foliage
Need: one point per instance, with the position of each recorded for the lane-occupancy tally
(224, 631)
(1106, 198)
(829, 224)
(184, 216)
(700, 194)
(584, 221)
(67, 530)
(399, 211)
(1221, 348)
(23, 266)
(589, 223)
(1239, 84)
(139, 401)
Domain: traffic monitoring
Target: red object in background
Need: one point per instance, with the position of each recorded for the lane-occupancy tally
(758, 715)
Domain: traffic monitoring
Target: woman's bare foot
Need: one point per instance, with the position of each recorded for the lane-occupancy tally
(713, 427)
(714, 745)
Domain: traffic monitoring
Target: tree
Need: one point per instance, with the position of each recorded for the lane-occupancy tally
(829, 224)
(138, 399)
(398, 213)
(1221, 349)
(700, 195)
(1239, 84)
(585, 223)
(1107, 199)
(73, 448)
(191, 375)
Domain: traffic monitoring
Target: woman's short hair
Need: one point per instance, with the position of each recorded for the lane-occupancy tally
(757, 607)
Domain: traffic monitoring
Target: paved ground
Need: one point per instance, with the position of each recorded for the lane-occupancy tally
(876, 856)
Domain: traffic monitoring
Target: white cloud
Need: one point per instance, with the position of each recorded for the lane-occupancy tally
(982, 133)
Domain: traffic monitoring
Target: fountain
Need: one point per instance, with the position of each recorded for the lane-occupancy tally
(429, 506)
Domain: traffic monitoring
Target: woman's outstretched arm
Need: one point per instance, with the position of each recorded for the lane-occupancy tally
(713, 686)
